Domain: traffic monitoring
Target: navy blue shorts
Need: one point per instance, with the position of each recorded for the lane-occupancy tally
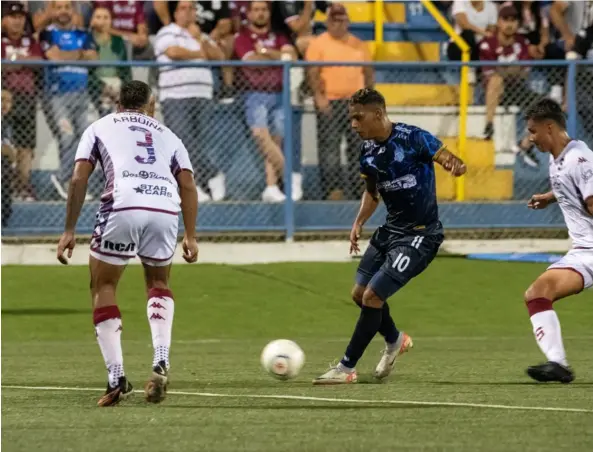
(391, 260)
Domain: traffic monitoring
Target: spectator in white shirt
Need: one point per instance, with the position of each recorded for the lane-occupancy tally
(186, 93)
(474, 20)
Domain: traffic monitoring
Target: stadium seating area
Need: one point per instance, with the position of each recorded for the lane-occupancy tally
(411, 34)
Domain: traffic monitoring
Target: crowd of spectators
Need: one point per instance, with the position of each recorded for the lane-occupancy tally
(200, 31)
(517, 31)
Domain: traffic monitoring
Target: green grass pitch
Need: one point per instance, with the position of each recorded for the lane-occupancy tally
(472, 338)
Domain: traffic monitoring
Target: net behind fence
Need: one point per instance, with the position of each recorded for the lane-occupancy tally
(276, 133)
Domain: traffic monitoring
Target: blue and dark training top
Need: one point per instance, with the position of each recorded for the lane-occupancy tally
(66, 79)
(404, 170)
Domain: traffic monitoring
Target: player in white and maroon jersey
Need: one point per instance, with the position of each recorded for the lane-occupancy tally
(148, 181)
(571, 177)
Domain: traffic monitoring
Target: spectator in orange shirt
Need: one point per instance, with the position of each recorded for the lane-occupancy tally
(332, 87)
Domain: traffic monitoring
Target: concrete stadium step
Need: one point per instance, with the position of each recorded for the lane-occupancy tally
(409, 74)
(417, 94)
(365, 12)
(393, 32)
(479, 153)
(487, 184)
(406, 51)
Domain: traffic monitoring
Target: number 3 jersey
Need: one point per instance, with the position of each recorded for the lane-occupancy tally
(140, 158)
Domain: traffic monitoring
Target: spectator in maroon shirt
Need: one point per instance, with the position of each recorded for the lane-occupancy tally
(22, 82)
(503, 83)
(507, 85)
(263, 102)
(127, 21)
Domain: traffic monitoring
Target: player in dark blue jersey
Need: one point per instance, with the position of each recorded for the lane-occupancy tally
(397, 163)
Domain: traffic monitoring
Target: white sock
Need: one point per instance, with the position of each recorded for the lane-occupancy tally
(345, 369)
(160, 310)
(546, 327)
(109, 339)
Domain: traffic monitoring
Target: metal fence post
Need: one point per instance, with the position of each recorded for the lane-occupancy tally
(571, 100)
(288, 152)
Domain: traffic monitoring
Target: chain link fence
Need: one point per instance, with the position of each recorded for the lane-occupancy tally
(274, 159)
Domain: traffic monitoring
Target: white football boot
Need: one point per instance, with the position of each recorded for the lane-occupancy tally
(390, 355)
(336, 376)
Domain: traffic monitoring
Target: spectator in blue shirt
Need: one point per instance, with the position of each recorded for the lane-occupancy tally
(66, 86)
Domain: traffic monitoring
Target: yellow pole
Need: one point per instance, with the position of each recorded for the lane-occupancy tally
(463, 90)
(379, 20)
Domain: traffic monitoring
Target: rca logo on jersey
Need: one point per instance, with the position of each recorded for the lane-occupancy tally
(146, 175)
(401, 183)
(121, 247)
(157, 190)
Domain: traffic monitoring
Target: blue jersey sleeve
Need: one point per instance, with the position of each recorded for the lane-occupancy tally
(425, 144)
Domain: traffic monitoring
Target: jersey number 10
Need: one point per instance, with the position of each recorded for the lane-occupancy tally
(147, 143)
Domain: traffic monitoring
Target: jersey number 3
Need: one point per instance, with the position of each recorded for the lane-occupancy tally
(147, 144)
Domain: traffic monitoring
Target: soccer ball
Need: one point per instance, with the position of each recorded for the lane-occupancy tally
(283, 359)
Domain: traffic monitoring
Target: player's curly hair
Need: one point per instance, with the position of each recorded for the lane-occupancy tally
(134, 95)
(368, 96)
(546, 109)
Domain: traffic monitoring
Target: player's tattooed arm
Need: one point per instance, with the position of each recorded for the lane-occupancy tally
(368, 205)
(369, 202)
(189, 210)
(77, 193)
(450, 162)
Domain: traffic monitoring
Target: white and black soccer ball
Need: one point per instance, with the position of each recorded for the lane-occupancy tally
(283, 359)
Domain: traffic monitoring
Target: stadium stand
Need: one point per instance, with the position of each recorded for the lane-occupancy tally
(426, 95)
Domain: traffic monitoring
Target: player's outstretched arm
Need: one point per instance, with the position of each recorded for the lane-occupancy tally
(368, 205)
(541, 201)
(189, 209)
(450, 162)
(76, 195)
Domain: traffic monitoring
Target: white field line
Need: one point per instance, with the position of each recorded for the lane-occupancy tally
(320, 399)
(206, 341)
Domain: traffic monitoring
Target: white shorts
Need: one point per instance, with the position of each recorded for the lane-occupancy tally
(120, 235)
(580, 261)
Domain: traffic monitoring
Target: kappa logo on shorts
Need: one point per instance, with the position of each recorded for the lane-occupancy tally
(120, 247)
(157, 190)
(146, 175)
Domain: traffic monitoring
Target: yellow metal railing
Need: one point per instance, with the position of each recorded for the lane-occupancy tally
(463, 90)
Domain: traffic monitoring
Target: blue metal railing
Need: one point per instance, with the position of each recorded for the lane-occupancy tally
(293, 214)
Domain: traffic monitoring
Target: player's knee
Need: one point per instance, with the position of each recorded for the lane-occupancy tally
(541, 288)
(371, 299)
(357, 292)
